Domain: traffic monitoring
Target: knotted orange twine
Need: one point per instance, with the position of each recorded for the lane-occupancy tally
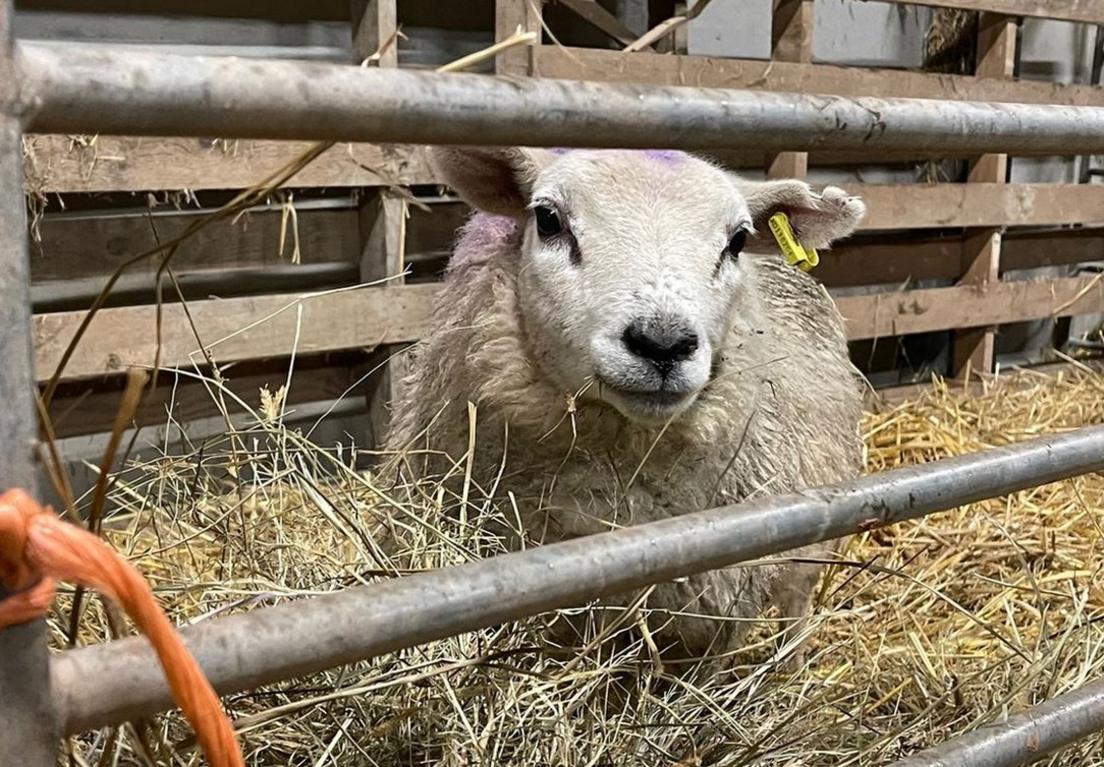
(37, 550)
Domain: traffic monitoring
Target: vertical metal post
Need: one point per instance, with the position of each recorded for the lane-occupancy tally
(28, 734)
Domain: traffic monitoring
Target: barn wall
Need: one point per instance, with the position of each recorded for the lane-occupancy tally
(853, 33)
(82, 232)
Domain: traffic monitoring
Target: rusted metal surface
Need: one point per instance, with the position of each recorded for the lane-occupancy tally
(27, 732)
(96, 88)
(111, 683)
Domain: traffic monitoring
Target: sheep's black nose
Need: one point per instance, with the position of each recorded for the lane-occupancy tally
(663, 342)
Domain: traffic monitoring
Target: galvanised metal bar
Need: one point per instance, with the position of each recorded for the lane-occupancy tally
(110, 683)
(1024, 738)
(100, 89)
(27, 730)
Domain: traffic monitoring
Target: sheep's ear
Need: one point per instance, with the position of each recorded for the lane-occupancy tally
(818, 219)
(494, 180)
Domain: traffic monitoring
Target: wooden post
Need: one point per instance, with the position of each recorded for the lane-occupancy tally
(28, 732)
(382, 217)
(680, 39)
(509, 15)
(375, 23)
(634, 15)
(996, 57)
(791, 40)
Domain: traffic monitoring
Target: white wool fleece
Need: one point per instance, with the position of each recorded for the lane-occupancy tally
(535, 329)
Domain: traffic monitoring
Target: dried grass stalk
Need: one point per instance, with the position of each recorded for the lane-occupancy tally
(923, 631)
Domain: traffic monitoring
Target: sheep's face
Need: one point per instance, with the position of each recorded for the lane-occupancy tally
(632, 271)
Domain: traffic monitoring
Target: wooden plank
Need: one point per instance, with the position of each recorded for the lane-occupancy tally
(58, 164)
(121, 164)
(88, 248)
(1026, 250)
(752, 74)
(679, 40)
(865, 261)
(510, 16)
(375, 28)
(277, 10)
(90, 407)
(73, 247)
(921, 311)
(383, 236)
(1088, 11)
(383, 217)
(634, 15)
(267, 326)
(468, 15)
(136, 289)
(895, 260)
(996, 58)
(234, 329)
(889, 261)
(792, 30)
(973, 348)
(869, 259)
(914, 206)
(789, 165)
(791, 40)
(598, 17)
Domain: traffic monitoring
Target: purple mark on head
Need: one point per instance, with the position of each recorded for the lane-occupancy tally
(665, 156)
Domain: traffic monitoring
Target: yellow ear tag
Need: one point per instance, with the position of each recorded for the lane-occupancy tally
(795, 253)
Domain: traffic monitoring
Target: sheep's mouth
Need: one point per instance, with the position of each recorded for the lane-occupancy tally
(660, 398)
(647, 404)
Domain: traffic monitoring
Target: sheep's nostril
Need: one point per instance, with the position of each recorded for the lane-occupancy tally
(685, 347)
(662, 344)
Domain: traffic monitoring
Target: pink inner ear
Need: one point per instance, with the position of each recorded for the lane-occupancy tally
(808, 215)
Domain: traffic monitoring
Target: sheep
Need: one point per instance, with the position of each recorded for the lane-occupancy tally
(636, 347)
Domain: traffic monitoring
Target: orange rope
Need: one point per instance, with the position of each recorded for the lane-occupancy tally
(37, 549)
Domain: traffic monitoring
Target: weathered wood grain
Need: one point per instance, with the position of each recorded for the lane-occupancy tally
(59, 164)
(234, 329)
(753, 74)
(962, 306)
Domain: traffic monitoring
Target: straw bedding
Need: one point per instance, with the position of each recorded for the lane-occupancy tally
(922, 631)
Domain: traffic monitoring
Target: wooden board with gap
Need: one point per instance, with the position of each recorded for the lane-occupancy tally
(281, 325)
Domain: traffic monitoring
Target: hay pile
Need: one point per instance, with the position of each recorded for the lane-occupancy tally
(926, 630)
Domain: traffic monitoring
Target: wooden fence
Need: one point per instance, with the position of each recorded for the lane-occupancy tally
(373, 235)
(352, 222)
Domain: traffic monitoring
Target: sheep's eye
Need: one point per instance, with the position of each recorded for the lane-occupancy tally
(548, 221)
(736, 244)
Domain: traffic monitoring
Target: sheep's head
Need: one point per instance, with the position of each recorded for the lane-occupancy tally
(634, 266)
